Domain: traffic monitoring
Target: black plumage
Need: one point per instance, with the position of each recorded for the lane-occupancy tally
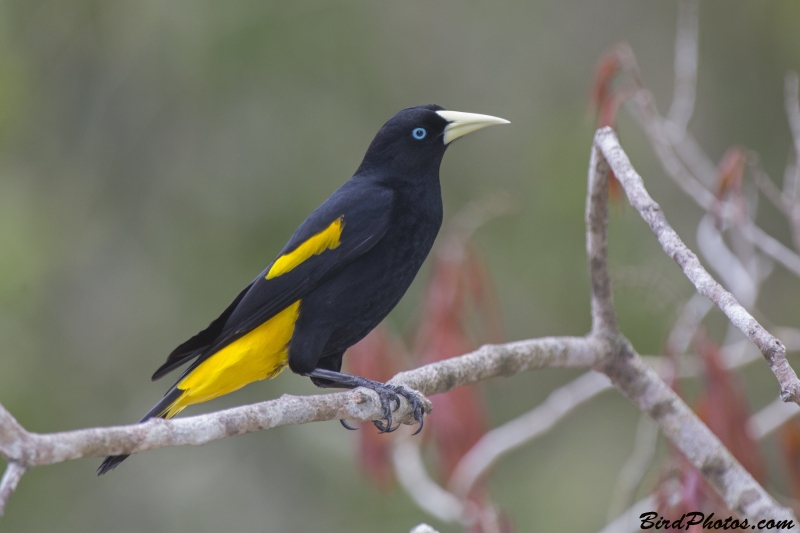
(350, 275)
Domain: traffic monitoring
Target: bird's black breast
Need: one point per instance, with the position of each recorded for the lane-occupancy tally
(346, 307)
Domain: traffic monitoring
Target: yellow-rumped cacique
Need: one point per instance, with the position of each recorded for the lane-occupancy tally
(340, 274)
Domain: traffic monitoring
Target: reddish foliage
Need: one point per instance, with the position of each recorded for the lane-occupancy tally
(601, 92)
(458, 288)
(693, 494)
(488, 519)
(722, 407)
(724, 410)
(730, 172)
(730, 175)
(605, 99)
(614, 188)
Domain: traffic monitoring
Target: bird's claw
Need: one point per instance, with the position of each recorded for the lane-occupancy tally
(417, 408)
(393, 395)
(346, 425)
(387, 396)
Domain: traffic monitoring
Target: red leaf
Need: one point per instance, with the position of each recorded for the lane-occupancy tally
(692, 491)
(485, 517)
(724, 409)
(607, 68)
(459, 290)
(730, 172)
(605, 98)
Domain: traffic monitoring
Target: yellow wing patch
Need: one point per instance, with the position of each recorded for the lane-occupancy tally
(263, 353)
(327, 239)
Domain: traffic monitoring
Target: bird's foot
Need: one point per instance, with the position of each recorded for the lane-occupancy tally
(417, 407)
(389, 394)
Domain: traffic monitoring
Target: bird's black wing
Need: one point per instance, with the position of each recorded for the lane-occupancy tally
(359, 212)
(200, 342)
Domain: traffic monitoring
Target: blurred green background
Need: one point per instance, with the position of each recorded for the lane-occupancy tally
(155, 155)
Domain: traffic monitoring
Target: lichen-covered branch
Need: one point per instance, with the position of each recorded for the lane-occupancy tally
(32, 449)
(26, 449)
(604, 317)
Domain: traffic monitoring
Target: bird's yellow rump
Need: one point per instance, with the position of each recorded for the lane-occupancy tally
(261, 354)
(327, 239)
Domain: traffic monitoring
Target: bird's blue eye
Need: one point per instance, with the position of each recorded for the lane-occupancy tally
(419, 133)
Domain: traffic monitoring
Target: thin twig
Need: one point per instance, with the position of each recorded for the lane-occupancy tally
(425, 492)
(635, 467)
(511, 435)
(792, 104)
(628, 521)
(740, 492)
(685, 66)
(604, 317)
(676, 155)
(772, 349)
(725, 263)
(689, 319)
(8, 484)
(771, 417)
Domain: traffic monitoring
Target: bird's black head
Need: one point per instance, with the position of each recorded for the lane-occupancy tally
(410, 143)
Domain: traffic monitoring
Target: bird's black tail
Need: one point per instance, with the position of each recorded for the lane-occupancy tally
(158, 411)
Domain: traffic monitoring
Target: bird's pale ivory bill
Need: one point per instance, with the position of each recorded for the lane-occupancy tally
(463, 123)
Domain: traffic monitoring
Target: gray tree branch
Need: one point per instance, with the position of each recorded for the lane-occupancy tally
(772, 349)
(640, 383)
(740, 491)
(24, 450)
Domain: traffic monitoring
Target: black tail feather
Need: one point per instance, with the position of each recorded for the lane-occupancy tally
(158, 411)
(200, 342)
(110, 463)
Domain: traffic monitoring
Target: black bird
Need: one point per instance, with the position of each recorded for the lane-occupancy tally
(343, 270)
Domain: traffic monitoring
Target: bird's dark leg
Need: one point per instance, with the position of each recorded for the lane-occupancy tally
(331, 362)
(387, 393)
